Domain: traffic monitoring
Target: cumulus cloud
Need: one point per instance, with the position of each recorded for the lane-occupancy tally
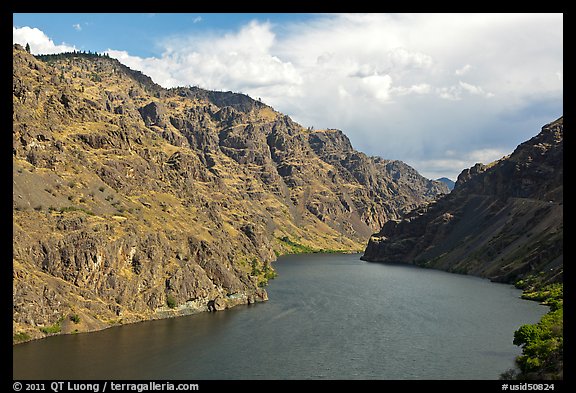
(77, 27)
(401, 86)
(421, 88)
(451, 163)
(39, 42)
(463, 70)
(240, 61)
(456, 92)
(475, 90)
(450, 93)
(403, 58)
(158, 69)
(396, 84)
(377, 86)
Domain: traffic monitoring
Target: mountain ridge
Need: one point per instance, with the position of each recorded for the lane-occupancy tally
(134, 202)
(502, 221)
(449, 182)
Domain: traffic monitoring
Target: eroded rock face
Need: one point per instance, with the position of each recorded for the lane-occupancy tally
(503, 221)
(135, 202)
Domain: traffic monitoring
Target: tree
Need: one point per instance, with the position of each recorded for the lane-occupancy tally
(28, 47)
(542, 346)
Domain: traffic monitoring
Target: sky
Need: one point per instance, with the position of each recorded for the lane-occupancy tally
(440, 92)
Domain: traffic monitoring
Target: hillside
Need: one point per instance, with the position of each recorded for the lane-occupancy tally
(134, 202)
(503, 221)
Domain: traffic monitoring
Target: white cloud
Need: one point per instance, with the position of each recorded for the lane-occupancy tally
(451, 163)
(394, 83)
(487, 155)
(463, 70)
(456, 92)
(38, 41)
(453, 93)
(198, 19)
(158, 69)
(77, 27)
(475, 90)
(239, 61)
(401, 86)
(403, 58)
(442, 167)
(421, 88)
(377, 86)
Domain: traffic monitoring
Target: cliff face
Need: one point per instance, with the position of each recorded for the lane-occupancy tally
(503, 221)
(135, 202)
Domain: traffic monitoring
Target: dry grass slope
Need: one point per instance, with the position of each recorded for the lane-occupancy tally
(135, 202)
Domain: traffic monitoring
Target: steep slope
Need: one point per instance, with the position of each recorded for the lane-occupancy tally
(503, 221)
(135, 202)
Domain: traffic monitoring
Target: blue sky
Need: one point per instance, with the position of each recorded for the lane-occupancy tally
(437, 91)
(136, 33)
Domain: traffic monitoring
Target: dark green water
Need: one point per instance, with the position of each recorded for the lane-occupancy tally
(328, 317)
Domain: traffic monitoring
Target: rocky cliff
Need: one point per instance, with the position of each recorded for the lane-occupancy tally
(134, 202)
(503, 221)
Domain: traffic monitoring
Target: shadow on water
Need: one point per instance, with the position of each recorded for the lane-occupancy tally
(328, 317)
(123, 352)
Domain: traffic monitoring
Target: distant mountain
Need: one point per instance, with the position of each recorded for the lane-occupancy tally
(449, 183)
(503, 221)
(135, 202)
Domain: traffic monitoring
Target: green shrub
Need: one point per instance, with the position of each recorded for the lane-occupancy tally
(255, 270)
(75, 318)
(297, 248)
(170, 301)
(56, 328)
(264, 274)
(18, 337)
(549, 292)
(543, 342)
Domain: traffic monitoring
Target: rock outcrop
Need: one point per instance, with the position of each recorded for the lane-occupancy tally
(134, 202)
(503, 221)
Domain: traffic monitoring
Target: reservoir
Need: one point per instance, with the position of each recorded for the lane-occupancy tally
(330, 316)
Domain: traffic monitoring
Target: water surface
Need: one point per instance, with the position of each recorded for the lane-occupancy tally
(329, 317)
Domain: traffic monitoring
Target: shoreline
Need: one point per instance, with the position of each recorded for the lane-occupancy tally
(219, 303)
